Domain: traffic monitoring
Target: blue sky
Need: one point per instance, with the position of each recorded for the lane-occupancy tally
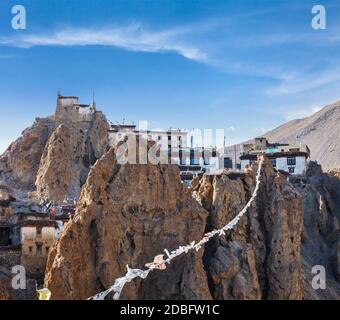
(243, 66)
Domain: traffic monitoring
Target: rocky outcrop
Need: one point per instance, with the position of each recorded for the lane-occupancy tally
(334, 173)
(126, 215)
(20, 163)
(321, 233)
(68, 155)
(313, 169)
(54, 157)
(260, 259)
(4, 289)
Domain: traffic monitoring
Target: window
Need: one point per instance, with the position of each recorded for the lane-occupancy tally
(206, 161)
(273, 161)
(39, 248)
(181, 158)
(291, 161)
(30, 248)
(228, 163)
(193, 160)
(38, 232)
(159, 138)
(291, 169)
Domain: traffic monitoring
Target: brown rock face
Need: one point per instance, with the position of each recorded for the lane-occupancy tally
(20, 163)
(68, 155)
(321, 233)
(54, 157)
(127, 214)
(334, 173)
(260, 259)
(4, 290)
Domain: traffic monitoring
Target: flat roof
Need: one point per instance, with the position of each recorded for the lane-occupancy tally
(43, 223)
(275, 155)
(67, 97)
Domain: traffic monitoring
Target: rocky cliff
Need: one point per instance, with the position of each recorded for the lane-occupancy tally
(260, 259)
(20, 163)
(4, 289)
(320, 244)
(68, 155)
(54, 157)
(127, 214)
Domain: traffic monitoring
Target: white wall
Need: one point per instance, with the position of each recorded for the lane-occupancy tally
(299, 168)
(86, 110)
(28, 233)
(66, 102)
(281, 164)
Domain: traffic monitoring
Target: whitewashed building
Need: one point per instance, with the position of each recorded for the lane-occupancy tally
(192, 159)
(292, 159)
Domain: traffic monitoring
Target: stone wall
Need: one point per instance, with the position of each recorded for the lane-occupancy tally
(69, 109)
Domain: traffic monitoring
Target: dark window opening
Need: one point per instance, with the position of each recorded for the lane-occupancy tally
(291, 161)
(39, 231)
(181, 158)
(193, 160)
(39, 248)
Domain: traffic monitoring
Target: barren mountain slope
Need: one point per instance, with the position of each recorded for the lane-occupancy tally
(320, 131)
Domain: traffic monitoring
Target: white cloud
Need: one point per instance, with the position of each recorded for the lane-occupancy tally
(132, 38)
(304, 83)
(232, 128)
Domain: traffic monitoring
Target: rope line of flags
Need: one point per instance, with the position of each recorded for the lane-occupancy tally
(161, 260)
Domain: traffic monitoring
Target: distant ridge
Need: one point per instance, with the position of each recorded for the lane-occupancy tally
(320, 131)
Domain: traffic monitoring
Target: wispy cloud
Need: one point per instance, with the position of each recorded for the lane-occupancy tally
(132, 37)
(304, 83)
(6, 56)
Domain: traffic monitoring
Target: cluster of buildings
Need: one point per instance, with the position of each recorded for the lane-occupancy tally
(193, 159)
(28, 231)
(292, 159)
